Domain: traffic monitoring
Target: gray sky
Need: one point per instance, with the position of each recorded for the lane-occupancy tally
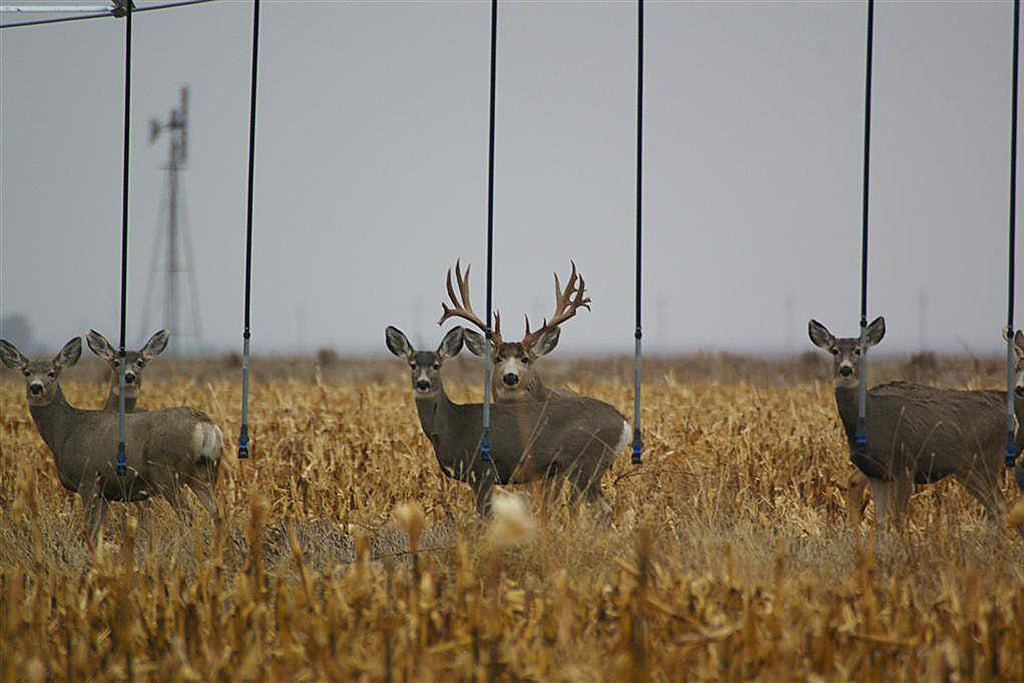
(372, 152)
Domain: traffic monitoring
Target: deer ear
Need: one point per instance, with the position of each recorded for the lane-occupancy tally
(875, 331)
(1018, 343)
(475, 342)
(99, 345)
(451, 344)
(397, 342)
(11, 356)
(547, 342)
(820, 336)
(156, 344)
(69, 355)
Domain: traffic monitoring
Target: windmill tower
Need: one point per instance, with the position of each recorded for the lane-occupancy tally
(172, 251)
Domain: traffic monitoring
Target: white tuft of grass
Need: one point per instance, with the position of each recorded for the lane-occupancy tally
(511, 522)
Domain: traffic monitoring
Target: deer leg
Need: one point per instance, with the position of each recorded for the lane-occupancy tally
(595, 497)
(881, 491)
(96, 507)
(206, 499)
(141, 513)
(143, 517)
(483, 488)
(1016, 514)
(903, 486)
(986, 491)
(854, 494)
(551, 484)
(175, 495)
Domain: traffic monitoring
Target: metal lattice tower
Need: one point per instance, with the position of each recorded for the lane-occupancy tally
(176, 263)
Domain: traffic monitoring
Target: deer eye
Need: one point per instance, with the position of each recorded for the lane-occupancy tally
(526, 360)
(26, 373)
(856, 352)
(835, 351)
(437, 366)
(51, 374)
(412, 365)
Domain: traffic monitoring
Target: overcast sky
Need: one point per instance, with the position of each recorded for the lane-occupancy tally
(371, 166)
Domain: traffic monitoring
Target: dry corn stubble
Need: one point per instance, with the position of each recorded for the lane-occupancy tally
(728, 555)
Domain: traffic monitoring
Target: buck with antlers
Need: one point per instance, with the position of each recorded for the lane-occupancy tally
(917, 434)
(575, 438)
(514, 376)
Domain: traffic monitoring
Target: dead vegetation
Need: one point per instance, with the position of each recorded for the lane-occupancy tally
(728, 558)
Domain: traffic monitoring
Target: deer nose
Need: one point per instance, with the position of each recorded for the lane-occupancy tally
(129, 378)
(35, 388)
(423, 385)
(846, 371)
(510, 379)
(1019, 390)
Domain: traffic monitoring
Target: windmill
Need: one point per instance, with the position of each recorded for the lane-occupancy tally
(172, 255)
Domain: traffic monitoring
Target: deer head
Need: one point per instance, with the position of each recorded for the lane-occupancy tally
(41, 375)
(135, 361)
(1018, 368)
(846, 351)
(514, 376)
(425, 366)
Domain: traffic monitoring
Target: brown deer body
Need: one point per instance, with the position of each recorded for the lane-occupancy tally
(135, 362)
(576, 438)
(165, 449)
(514, 376)
(917, 434)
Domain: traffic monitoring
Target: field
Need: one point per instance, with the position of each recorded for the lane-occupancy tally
(346, 555)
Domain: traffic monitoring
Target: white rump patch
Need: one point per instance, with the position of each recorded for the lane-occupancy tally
(207, 440)
(198, 439)
(627, 437)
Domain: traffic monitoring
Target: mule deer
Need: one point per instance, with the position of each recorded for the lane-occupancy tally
(1018, 409)
(514, 377)
(917, 434)
(165, 449)
(134, 363)
(574, 437)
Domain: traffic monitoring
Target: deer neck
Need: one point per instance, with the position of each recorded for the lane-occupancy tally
(848, 406)
(1018, 411)
(54, 421)
(435, 415)
(112, 402)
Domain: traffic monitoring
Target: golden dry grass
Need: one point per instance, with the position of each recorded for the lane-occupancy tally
(728, 558)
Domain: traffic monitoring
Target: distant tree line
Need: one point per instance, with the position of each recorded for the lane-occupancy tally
(16, 329)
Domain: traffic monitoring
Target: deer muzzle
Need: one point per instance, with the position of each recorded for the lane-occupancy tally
(35, 388)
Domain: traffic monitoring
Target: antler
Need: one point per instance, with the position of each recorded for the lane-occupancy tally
(567, 302)
(463, 309)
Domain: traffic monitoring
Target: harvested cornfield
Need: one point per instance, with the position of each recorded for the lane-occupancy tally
(346, 555)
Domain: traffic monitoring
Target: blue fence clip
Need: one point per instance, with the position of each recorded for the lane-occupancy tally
(243, 442)
(485, 448)
(860, 443)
